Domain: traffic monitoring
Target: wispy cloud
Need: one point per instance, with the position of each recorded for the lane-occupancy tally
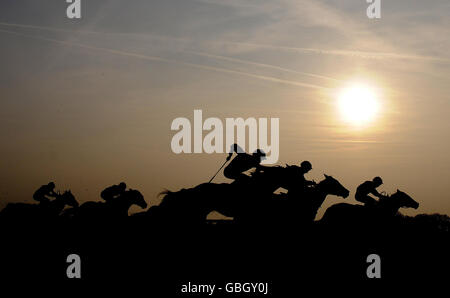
(270, 66)
(356, 54)
(318, 51)
(160, 59)
(403, 36)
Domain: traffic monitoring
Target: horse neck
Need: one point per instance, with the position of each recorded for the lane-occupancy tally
(391, 205)
(59, 203)
(321, 193)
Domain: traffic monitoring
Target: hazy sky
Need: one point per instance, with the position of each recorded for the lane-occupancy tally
(89, 103)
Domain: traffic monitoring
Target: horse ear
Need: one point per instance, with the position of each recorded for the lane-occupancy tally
(326, 176)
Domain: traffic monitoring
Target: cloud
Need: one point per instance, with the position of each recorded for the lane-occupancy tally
(351, 53)
(343, 29)
(159, 59)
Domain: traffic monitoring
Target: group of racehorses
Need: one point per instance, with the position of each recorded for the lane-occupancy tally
(253, 200)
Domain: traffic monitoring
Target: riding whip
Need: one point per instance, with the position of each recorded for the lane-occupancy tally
(218, 170)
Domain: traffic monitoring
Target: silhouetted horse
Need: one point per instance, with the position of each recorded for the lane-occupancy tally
(303, 205)
(386, 209)
(240, 200)
(249, 201)
(112, 209)
(42, 211)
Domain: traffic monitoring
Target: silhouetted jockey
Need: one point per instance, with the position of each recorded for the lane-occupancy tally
(113, 191)
(41, 195)
(242, 163)
(369, 187)
(303, 169)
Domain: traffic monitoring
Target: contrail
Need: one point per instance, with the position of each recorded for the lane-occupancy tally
(219, 57)
(48, 28)
(155, 58)
(225, 58)
(359, 54)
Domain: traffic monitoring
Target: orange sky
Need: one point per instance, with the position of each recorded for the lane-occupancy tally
(89, 103)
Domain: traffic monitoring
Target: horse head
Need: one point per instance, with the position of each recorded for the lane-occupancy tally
(333, 187)
(136, 198)
(69, 199)
(404, 200)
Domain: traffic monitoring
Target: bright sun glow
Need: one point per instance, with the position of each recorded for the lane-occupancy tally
(358, 104)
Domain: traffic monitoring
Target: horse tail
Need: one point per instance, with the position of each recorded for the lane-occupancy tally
(168, 197)
(176, 197)
(164, 193)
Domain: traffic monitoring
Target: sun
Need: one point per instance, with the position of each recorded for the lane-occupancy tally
(358, 104)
